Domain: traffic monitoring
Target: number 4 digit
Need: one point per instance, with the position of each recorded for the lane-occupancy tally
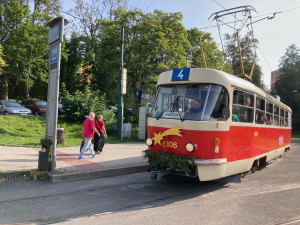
(180, 75)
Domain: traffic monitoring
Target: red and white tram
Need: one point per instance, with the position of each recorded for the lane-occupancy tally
(225, 123)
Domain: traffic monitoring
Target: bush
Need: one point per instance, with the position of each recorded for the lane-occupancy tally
(110, 121)
(79, 105)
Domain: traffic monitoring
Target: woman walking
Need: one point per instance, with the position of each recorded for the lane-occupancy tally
(99, 141)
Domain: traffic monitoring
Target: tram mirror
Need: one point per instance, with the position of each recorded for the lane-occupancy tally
(225, 113)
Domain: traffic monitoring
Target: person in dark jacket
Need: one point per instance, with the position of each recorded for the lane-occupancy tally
(99, 141)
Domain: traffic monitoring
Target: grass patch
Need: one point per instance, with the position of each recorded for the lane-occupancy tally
(29, 130)
(2, 176)
(295, 136)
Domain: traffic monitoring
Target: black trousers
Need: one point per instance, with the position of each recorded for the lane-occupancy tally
(99, 141)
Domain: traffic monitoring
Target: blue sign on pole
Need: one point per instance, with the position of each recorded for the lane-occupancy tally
(181, 74)
(54, 54)
(137, 93)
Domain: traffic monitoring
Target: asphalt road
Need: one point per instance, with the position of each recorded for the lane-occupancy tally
(269, 196)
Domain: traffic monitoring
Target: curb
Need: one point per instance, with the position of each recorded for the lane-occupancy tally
(58, 178)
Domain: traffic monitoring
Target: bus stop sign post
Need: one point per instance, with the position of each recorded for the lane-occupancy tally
(56, 32)
(122, 90)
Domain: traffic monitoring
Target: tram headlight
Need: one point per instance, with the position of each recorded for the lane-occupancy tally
(190, 147)
(149, 141)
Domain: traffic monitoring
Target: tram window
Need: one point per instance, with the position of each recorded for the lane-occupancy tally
(289, 124)
(269, 107)
(281, 121)
(243, 114)
(269, 119)
(276, 116)
(260, 103)
(276, 110)
(179, 102)
(218, 101)
(276, 120)
(248, 100)
(242, 109)
(282, 112)
(238, 97)
(281, 118)
(285, 118)
(259, 116)
(269, 114)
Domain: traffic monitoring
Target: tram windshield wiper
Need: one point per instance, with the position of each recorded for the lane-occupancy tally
(175, 106)
(159, 114)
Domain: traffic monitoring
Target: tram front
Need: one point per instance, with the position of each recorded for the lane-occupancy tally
(188, 124)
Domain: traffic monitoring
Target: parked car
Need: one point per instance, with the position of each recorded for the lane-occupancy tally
(36, 106)
(13, 108)
(112, 108)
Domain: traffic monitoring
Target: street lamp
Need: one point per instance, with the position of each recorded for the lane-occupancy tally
(193, 49)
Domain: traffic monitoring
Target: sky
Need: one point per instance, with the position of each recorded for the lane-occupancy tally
(274, 35)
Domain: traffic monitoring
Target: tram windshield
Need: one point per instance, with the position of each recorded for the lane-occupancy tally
(199, 102)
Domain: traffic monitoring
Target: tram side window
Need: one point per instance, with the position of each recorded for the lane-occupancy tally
(242, 109)
(285, 118)
(276, 116)
(260, 111)
(281, 117)
(269, 113)
(289, 119)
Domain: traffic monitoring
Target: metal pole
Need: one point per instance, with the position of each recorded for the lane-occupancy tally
(120, 99)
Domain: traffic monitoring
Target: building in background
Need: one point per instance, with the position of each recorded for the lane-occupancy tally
(274, 77)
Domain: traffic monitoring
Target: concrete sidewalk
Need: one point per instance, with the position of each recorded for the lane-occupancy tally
(115, 159)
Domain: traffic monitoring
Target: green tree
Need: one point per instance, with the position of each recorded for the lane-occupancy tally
(152, 40)
(213, 56)
(248, 57)
(288, 84)
(2, 65)
(2, 62)
(11, 14)
(88, 15)
(71, 64)
(25, 46)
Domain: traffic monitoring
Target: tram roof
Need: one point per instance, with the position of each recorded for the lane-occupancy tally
(202, 75)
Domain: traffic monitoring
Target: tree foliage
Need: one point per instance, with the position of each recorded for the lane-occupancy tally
(248, 57)
(2, 62)
(288, 84)
(79, 105)
(91, 53)
(213, 56)
(24, 39)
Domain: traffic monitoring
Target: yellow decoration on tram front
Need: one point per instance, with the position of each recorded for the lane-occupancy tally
(160, 136)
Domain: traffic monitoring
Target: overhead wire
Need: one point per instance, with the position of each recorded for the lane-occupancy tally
(265, 59)
(149, 5)
(267, 14)
(264, 18)
(243, 23)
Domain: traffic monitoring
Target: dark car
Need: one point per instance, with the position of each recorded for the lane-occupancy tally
(37, 107)
(13, 108)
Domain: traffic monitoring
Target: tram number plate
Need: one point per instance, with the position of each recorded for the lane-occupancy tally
(169, 144)
(280, 140)
(181, 74)
(173, 115)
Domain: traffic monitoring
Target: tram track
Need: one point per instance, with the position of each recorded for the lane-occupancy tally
(158, 196)
(130, 206)
(69, 192)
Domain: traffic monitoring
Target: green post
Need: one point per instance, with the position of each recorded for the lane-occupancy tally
(120, 99)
